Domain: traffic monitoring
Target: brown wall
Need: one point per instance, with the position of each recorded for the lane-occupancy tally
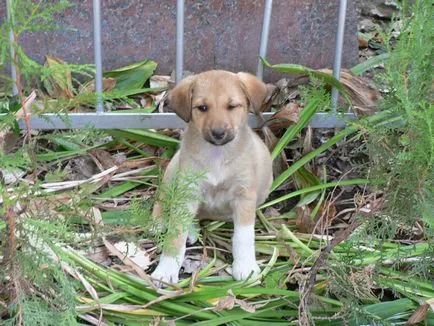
(219, 33)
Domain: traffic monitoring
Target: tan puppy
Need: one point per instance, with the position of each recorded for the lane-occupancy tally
(219, 141)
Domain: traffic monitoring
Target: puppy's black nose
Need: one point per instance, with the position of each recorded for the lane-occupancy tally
(218, 133)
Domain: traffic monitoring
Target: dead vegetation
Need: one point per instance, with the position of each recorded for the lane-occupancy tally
(75, 240)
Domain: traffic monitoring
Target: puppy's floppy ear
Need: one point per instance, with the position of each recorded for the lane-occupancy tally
(180, 98)
(255, 90)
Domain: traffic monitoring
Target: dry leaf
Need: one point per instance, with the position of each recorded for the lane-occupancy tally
(280, 163)
(158, 81)
(271, 93)
(226, 302)
(286, 116)
(127, 261)
(11, 175)
(327, 212)
(431, 303)
(306, 224)
(99, 255)
(303, 221)
(419, 315)
(104, 157)
(59, 84)
(245, 305)
(138, 256)
(89, 288)
(307, 141)
(363, 94)
(92, 320)
(190, 265)
(108, 84)
(97, 217)
(363, 41)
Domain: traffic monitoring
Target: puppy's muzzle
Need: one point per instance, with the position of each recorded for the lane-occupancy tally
(219, 136)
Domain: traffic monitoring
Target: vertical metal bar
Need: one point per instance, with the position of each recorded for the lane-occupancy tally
(264, 37)
(179, 68)
(12, 41)
(98, 55)
(338, 50)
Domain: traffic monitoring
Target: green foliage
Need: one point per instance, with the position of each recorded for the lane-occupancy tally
(31, 279)
(46, 295)
(174, 196)
(319, 75)
(403, 152)
(133, 76)
(43, 294)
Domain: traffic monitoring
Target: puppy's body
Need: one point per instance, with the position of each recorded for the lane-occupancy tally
(232, 169)
(237, 163)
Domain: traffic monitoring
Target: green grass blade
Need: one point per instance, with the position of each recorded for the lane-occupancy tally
(61, 155)
(315, 188)
(118, 190)
(144, 136)
(332, 141)
(292, 131)
(370, 63)
(124, 283)
(118, 93)
(235, 315)
(298, 69)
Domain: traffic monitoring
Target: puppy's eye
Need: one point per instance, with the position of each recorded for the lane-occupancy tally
(232, 106)
(202, 108)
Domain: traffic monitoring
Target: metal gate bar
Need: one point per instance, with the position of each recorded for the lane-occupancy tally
(116, 120)
(338, 50)
(98, 54)
(106, 120)
(264, 37)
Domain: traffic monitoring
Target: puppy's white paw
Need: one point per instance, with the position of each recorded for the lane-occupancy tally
(242, 269)
(167, 270)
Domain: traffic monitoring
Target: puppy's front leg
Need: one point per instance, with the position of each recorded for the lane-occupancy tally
(170, 263)
(243, 241)
(173, 254)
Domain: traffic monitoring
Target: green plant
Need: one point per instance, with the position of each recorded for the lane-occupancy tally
(403, 152)
(173, 196)
(51, 213)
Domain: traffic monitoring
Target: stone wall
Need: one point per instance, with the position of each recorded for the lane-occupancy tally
(218, 33)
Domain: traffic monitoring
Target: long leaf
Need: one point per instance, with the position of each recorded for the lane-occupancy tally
(298, 69)
(122, 93)
(133, 76)
(145, 136)
(305, 159)
(292, 131)
(370, 63)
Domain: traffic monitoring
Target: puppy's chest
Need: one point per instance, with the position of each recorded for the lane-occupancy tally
(217, 194)
(220, 183)
(217, 174)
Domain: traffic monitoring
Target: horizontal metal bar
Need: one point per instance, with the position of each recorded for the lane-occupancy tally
(52, 121)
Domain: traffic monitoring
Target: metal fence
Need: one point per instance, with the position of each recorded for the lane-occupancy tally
(112, 120)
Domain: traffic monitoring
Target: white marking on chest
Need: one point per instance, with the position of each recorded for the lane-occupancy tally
(215, 165)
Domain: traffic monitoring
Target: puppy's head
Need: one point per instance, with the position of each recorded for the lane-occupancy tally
(217, 102)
